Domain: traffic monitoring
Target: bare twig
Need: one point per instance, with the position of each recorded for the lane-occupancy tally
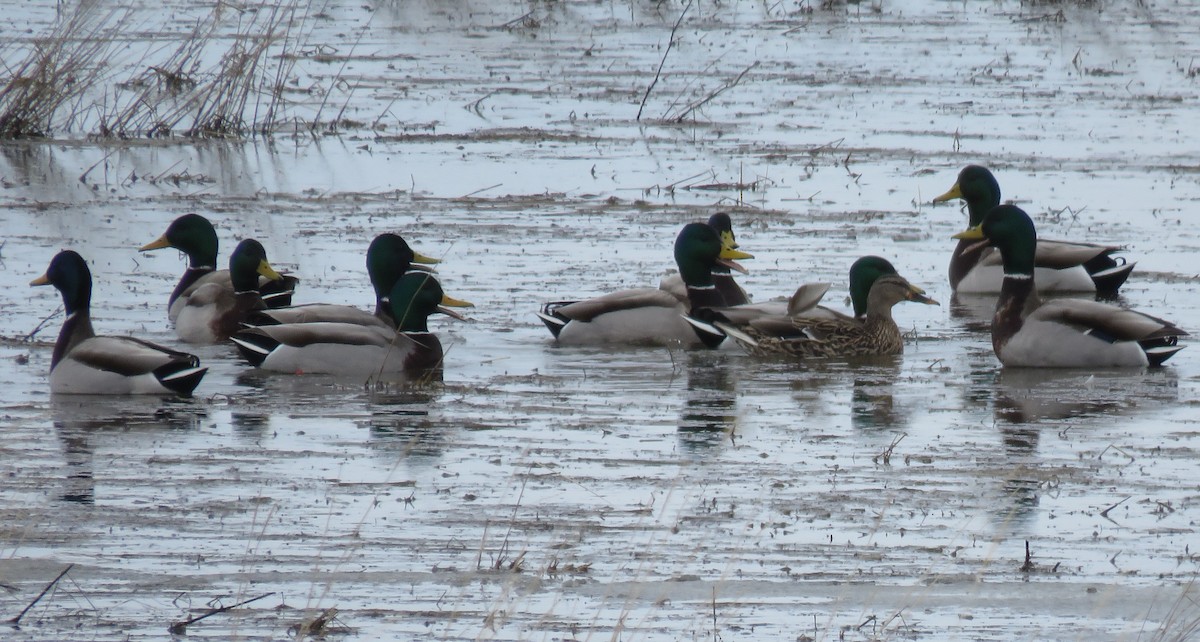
(670, 43)
(41, 324)
(1104, 513)
(886, 455)
(17, 619)
(1028, 565)
(179, 628)
(704, 101)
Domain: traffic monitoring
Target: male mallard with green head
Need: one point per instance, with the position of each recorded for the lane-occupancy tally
(1061, 333)
(648, 316)
(84, 363)
(195, 236)
(722, 276)
(388, 258)
(409, 350)
(212, 312)
(1060, 266)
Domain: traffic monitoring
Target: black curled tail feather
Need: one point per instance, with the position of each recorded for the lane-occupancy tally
(181, 376)
(254, 346)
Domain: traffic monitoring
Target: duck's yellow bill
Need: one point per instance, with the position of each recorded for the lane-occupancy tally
(157, 244)
(970, 234)
(41, 280)
(728, 241)
(729, 254)
(266, 270)
(955, 192)
(448, 302)
(427, 260)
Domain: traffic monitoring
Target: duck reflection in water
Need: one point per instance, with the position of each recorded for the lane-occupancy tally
(401, 423)
(709, 414)
(1030, 401)
(85, 423)
(1030, 395)
(872, 402)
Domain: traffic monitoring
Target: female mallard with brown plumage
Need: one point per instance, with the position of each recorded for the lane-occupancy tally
(875, 287)
(1060, 266)
(647, 316)
(195, 236)
(1062, 333)
(84, 363)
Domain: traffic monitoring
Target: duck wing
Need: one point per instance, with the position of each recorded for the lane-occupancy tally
(589, 309)
(1106, 321)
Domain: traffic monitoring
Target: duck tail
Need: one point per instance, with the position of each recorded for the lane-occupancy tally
(254, 346)
(1109, 273)
(1159, 349)
(180, 377)
(278, 294)
(552, 318)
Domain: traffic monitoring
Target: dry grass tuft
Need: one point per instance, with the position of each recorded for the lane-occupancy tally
(196, 91)
(58, 69)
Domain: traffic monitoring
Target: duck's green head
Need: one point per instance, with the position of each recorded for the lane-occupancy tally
(978, 187)
(247, 263)
(69, 273)
(417, 295)
(863, 274)
(698, 248)
(1009, 229)
(193, 235)
(388, 258)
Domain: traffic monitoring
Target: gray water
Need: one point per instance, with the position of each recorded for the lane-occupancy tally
(554, 493)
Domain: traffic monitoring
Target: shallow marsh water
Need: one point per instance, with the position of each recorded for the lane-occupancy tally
(554, 494)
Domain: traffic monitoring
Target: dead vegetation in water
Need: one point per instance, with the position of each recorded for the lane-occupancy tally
(65, 80)
(58, 71)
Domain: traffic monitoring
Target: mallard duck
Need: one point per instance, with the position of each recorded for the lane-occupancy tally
(1062, 333)
(875, 288)
(648, 316)
(805, 301)
(212, 312)
(194, 235)
(388, 258)
(1061, 266)
(722, 276)
(410, 350)
(84, 363)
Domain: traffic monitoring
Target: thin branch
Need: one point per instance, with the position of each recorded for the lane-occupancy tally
(179, 628)
(17, 620)
(670, 43)
(700, 103)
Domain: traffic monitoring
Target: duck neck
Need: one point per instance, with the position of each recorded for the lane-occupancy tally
(1016, 293)
(963, 260)
(881, 328)
(702, 291)
(383, 310)
(76, 329)
(977, 208)
(249, 300)
(190, 276)
(202, 250)
(730, 291)
(416, 323)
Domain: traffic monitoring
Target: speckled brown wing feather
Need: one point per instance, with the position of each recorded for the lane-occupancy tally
(807, 338)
